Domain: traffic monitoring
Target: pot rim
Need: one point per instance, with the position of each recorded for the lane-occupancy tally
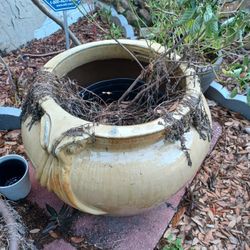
(15, 157)
(128, 131)
(213, 67)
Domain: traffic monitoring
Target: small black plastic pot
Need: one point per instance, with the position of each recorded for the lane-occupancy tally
(112, 89)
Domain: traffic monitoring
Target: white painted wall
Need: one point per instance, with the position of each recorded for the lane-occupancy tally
(21, 21)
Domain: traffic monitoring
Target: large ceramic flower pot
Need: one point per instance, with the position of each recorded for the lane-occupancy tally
(126, 169)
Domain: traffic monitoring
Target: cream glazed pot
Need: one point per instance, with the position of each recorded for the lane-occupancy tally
(127, 169)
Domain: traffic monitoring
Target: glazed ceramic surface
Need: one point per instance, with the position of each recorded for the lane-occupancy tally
(127, 169)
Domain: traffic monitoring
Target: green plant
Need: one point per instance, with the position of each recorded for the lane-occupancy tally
(201, 25)
(57, 219)
(114, 30)
(241, 73)
(173, 244)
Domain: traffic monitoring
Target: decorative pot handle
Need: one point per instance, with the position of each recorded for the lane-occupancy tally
(62, 131)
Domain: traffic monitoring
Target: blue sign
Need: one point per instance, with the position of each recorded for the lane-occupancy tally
(60, 5)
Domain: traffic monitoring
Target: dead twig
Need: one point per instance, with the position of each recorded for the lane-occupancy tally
(12, 83)
(43, 55)
(10, 223)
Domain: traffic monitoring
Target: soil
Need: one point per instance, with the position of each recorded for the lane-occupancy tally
(215, 213)
(34, 218)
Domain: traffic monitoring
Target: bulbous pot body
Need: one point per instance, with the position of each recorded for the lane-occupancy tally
(126, 169)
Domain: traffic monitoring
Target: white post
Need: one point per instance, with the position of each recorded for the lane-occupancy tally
(65, 22)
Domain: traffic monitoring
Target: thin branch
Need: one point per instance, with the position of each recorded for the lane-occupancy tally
(10, 223)
(13, 85)
(92, 20)
(44, 55)
(41, 7)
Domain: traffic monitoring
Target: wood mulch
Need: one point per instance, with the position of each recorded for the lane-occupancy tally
(215, 212)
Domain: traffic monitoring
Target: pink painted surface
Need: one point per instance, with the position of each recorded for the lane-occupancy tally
(40, 195)
(59, 245)
(141, 232)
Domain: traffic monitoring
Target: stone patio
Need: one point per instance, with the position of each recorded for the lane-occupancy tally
(141, 232)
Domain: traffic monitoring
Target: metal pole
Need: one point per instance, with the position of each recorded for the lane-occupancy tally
(65, 23)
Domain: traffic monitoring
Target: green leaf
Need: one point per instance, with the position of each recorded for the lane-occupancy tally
(212, 28)
(234, 92)
(51, 210)
(208, 15)
(63, 209)
(228, 22)
(237, 72)
(196, 26)
(248, 96)
(187, 15)
(178, 243)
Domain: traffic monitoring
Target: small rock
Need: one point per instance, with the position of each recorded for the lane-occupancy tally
(140, 3)
(247, 129)
(143, 13)
(120, 8)
(35, 231)
(124, 4)
(132, 19)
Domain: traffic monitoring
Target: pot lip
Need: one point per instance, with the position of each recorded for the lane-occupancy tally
(128, 131)
(213, 67)
(16, 157)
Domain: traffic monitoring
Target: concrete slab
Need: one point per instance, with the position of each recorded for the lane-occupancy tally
(10, 118)
(141, 232)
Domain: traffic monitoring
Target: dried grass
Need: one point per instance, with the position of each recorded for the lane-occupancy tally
(162, 89)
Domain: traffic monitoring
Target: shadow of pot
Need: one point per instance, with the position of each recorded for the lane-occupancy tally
(14, 177)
